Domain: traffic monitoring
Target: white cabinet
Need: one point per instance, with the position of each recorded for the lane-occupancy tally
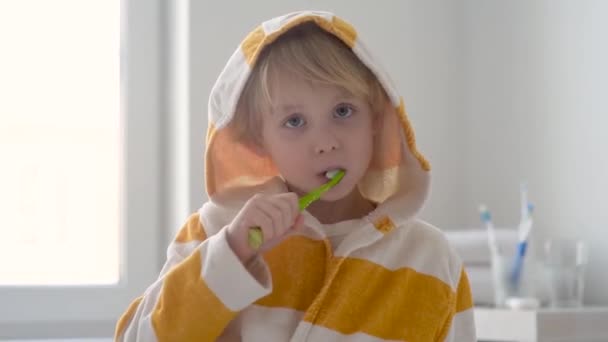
(544, 325)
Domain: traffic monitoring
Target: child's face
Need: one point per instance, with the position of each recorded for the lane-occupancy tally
(315, 128)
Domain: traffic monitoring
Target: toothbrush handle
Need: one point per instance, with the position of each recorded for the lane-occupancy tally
(521, 248)
(518, 265)
(255, 237)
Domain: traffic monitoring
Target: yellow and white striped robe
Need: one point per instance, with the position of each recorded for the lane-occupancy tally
(392, 278)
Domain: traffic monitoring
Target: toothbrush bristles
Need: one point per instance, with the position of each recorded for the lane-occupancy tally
(484, 213)
(331, 173)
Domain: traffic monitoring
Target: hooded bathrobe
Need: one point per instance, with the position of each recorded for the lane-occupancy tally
(387, 276)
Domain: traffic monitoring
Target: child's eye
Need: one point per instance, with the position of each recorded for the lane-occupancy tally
(343, 111)
(294, 122)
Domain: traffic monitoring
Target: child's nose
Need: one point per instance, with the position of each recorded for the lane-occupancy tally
(324, 149)
(326, 144)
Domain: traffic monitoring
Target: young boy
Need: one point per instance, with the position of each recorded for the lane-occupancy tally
(301, 96)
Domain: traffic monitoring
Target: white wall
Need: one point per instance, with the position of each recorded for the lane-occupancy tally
(536, 107)
(498, 91)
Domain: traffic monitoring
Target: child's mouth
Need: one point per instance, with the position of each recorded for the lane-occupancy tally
(327, 175)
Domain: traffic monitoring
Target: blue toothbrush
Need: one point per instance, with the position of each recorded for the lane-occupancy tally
(524, 232)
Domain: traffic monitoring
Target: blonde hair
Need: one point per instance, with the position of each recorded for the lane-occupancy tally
(313, 54)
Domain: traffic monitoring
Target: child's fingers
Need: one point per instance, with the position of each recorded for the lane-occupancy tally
(299, 223)
(276, 215)
(281, 214)
(269, 213)
(292, 199)
(287, 214)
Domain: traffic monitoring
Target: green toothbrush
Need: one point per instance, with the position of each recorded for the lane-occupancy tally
(256, 238)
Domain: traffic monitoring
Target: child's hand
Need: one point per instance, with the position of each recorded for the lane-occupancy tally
(276, 215)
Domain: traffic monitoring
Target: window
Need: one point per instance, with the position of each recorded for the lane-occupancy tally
(59, 138)
(80, 181)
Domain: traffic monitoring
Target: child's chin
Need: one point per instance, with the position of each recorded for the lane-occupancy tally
(335, 194)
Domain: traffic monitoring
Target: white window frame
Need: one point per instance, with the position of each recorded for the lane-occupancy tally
(92, 311)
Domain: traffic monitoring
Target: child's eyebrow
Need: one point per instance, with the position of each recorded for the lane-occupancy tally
(291, 107)
(344, 95)
(287, 108)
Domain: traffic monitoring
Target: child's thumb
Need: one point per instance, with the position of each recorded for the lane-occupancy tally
(299, 223)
